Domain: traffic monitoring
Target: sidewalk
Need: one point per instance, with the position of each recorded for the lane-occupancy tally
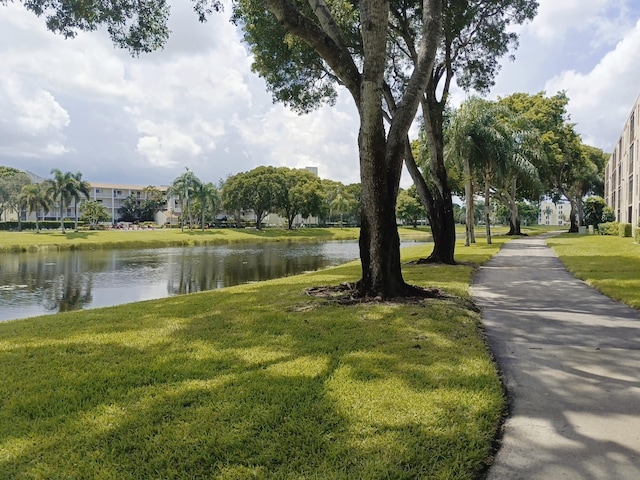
(570, 360)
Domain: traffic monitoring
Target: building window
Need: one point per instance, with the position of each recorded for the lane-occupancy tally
(630, 196)
(631, 157)
(620, 174)
(632, 122)
(97, 190)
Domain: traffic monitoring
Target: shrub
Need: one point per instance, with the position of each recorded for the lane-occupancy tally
(609, 228)
(625, 230)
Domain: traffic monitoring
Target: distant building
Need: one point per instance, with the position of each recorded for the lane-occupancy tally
(621, 183)
(554, 213)
(111, 195)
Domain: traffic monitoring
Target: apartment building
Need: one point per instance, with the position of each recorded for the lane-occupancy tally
(621, 183)
(112, 195)
(551, 213)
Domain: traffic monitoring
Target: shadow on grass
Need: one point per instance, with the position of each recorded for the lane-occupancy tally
(209, 386)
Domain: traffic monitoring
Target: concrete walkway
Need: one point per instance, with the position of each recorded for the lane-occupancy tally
(570, 360)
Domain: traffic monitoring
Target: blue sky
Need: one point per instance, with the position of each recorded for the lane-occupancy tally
(83, 105)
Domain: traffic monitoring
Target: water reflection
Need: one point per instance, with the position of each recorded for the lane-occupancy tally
(49, 282)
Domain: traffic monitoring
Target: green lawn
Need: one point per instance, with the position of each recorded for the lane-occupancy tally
(610, 264)
(30, 241)
(255, 381)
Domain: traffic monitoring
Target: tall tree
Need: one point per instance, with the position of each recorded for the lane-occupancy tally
(566, 169)
(260, 190)
(207, 196)
(302, 195)
(61, 188)
(184, 187)
(81, 188)
(305, 49)
(476, 34)
(409, 207)
(476, 139)
(11, 183)
(36, 199)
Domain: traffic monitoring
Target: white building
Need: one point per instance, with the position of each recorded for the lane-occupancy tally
(621, 184)
(112, 195)
(551, 213)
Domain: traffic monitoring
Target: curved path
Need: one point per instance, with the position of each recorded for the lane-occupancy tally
(570, 360)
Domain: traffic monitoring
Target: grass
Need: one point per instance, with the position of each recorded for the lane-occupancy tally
(255, 381)
(29, 241)
(608, 263)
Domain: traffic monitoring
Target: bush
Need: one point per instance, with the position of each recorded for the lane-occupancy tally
(44, 225)
(609, 228)
(626, 230)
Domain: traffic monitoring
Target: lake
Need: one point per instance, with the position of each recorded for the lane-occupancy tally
(50, 282)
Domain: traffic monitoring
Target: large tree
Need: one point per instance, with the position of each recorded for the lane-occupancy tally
(36, 199)
(302, 195)
(307, 48)
(81, 188)
(184, 187)
(61, 189)
(568, 168)
(260, 190)
(11, 183)
(476, 34)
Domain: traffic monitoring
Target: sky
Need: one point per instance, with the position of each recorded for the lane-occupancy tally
(84, 105)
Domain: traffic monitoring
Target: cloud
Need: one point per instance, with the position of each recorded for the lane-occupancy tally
(557, 19)
(601, 99)
(326, 138)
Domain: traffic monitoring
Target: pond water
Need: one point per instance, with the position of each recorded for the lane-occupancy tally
(50, 282)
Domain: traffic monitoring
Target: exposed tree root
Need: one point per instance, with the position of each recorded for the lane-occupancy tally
(348, 294)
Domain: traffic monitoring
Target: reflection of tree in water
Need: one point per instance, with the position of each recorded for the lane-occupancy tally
(198, 272)
(70, 286)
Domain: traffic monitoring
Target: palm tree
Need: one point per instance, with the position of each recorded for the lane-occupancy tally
(183, 188)
(340, 205)
(207, 195)
(35, 197)
(80, 187)
(60, 189)
(477, 140)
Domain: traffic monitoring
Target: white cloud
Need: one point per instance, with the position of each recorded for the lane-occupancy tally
(326, 138)
(40, 113)
(556, 19)
(601, 99)
(164, 145)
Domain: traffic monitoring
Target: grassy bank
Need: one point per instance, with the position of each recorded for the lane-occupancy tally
(608, 263)
(254, 381)
(30, 241)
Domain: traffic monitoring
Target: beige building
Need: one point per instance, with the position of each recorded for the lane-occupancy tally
(111, 195)
(621, 183)
(554, 213)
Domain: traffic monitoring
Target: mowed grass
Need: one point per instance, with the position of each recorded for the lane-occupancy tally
(30, 241)
(608, 263)
(255, 381)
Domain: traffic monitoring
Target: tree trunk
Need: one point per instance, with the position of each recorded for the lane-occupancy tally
(470, 236)
(573, 228)
(509, 194)
(443, 225)
(487, 203)
(61, 216)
